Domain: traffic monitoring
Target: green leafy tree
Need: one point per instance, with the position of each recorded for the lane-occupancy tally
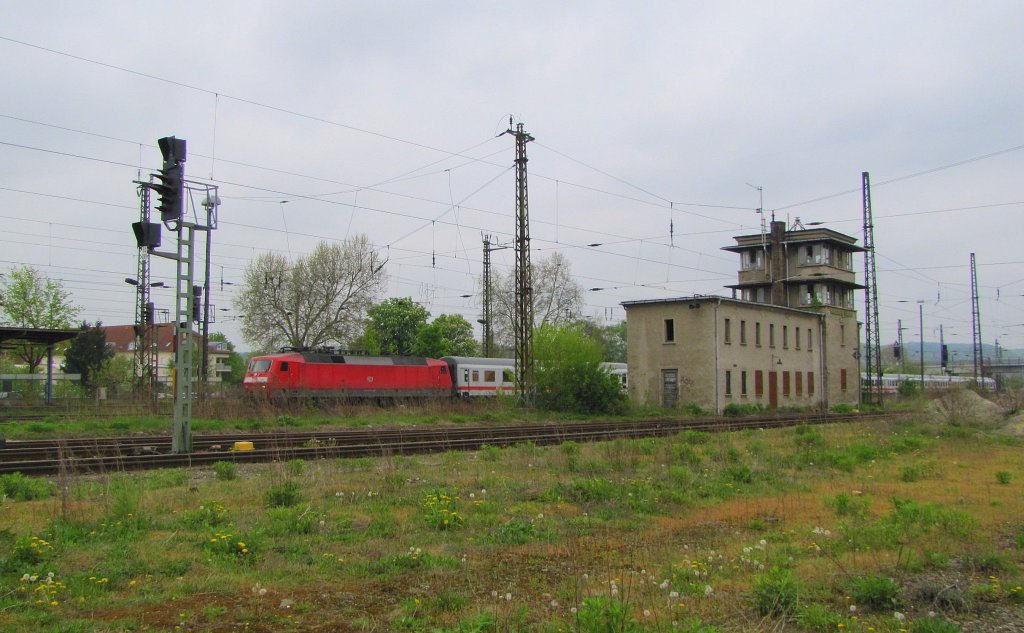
(393, 325)
(116, 375)
(316, 300)
(611, 339)
(234, 361)
(31, 300)
(568, 373)
(447, 335)
(86, 355)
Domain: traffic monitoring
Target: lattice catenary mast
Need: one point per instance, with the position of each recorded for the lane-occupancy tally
(522, 322)
(979, 369)
(872, 343)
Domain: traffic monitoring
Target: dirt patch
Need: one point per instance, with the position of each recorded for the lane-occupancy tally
(963, 406)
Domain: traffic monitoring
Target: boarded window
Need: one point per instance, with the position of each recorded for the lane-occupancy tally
(842, 379)
(669, 387)
(758, 383)
(785, 383)
(799, 383)
(810, 383)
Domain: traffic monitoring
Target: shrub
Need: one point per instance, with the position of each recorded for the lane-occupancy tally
(876, 592)
(845, 505)
(490, 453)
(736, 410)
(1003, 477)
(225, 471)
(777, 592)
(569, 376)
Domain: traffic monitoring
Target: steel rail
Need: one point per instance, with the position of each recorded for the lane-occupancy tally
(118, 454)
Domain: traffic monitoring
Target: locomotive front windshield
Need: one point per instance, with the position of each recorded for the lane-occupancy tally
(259, 365)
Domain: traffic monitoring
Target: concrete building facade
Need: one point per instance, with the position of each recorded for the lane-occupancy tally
(787, 338)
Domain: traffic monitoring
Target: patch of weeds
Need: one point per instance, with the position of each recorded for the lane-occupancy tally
(876, 592)
(489, 453)
(845, 505)
(18, 486)
(515, 532)
(226, 546)
(210, 514)
(446, 600)
(694, 437)
(986, 562)
(593, 489)
(598, 614)
(283, 495)
(167, 478)
(777, 592)
(1003, 477)
(917, 472)
(225, 471)
(290, 520)
(946, 598)
(908, 443)
(934, 625)
(738, 473)
(480, 623)
(686, 455)
(441, 510)
(123, 497)
(295, 467)
(27, 552)
(819, 618)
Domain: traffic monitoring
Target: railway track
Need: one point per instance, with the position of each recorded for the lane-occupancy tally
(111, 454)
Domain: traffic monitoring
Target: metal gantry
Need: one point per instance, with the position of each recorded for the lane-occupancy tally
(872, 341)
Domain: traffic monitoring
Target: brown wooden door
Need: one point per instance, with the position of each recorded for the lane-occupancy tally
(773, 390)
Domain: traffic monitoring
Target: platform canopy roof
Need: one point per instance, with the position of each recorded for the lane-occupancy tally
(36, 336)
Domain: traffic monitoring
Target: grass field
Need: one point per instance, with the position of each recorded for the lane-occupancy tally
(883, 526)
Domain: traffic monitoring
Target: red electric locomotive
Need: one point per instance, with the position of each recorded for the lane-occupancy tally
(324, 374)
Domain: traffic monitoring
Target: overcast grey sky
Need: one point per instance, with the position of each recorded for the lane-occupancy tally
(384, 118)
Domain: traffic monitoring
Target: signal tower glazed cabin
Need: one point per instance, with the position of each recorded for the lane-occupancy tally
(788, 336)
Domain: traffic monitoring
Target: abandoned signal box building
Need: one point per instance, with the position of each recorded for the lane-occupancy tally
(788, 336)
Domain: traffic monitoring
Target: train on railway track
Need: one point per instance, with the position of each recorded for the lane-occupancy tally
(891, 382)
(328, 374)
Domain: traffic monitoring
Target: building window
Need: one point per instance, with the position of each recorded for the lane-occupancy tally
(799, 383)
(670, 330)
(728, 331)
(796, 337)
(785, 337)
(842, 334)
(810, 383)
(785, 383)
(759, 383)
(810, 340)
(728, 382)
(771, 335)
(757, 333)
(842, 379)
(743, 383)
(743, 332)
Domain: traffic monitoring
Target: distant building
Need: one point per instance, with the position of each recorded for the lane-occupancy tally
(121, 338)
(789, 339)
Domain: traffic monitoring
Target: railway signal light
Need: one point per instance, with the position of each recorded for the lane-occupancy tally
(197, 303)
(171, 188)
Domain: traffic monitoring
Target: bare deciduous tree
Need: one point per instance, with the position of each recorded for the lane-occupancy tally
(318, 299)
(557, 298)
